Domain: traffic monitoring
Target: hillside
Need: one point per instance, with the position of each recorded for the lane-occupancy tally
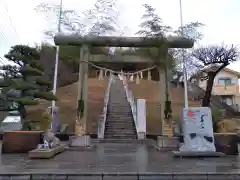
(68, 101)
(148, 90)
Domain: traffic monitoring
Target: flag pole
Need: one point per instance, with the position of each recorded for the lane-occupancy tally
(56, 61)
(184, 61)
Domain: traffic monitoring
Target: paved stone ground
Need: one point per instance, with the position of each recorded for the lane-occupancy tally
(118, 158)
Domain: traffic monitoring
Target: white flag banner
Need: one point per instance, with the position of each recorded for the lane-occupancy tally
(131, 78)
(137, 79)
(141, 75)
(149, 76)
(100, 77)
(198, 130)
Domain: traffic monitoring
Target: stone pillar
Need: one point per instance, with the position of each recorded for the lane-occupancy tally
(162, 94)
(85, 88)
(164, 75)
(78, 125)
(82, 93)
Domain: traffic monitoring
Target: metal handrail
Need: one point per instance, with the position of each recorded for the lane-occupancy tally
(103, 116)
(132, 102)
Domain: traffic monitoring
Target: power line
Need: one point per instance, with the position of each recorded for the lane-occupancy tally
(2, 61)
(11, 21)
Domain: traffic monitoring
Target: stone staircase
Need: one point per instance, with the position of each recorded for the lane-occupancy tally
(119, 122)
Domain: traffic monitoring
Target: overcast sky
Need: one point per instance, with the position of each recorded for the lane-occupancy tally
(19, 23)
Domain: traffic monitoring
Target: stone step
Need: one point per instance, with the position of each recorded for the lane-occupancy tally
(120, 118)
(120, 136)
(119, 121)
(119, 112)
(123, 125)
(120, 125)
(110, 112)
(132, 141)
(120, 129)
(119, 106)
(127, 124)
(120, 133)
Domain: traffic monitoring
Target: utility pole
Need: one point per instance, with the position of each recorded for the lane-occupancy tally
(184, 61)
(57, 57)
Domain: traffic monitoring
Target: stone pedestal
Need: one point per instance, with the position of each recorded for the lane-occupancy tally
(80, 141)
(168, 143)
(141, 135)
(46, 153)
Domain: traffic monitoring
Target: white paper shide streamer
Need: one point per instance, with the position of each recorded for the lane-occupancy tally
(131, 77)
(137, 79)
(100, 77)
(149, 77)
(141, 75)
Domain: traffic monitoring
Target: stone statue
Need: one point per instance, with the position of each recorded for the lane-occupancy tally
(50, 141)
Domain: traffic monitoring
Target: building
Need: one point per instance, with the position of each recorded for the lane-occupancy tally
(226, 85)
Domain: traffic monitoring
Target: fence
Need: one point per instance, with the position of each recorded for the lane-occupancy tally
(123, 176)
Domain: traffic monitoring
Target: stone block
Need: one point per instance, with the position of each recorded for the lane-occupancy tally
(46, 153)
(190, 176)
(197, 154)
(227, 143)
(21, 141)
(220, 176)
(161, 176)
(171, 143)
(80, 141)
(141, 135)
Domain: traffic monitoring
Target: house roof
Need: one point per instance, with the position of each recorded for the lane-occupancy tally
(214, 68)
(232, 72)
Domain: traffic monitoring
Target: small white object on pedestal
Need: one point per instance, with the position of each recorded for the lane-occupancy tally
(141, 118)
(80, 141)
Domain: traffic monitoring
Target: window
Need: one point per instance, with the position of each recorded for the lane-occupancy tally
(225, 81)
(227, 100)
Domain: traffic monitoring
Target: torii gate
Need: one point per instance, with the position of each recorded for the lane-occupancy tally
(112, 41)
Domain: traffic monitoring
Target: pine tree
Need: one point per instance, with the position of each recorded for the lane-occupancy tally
(23, 83)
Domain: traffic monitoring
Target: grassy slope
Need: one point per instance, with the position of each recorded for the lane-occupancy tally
(150, 91)
(67, 102)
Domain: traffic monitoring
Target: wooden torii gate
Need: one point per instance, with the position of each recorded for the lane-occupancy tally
(84, 42)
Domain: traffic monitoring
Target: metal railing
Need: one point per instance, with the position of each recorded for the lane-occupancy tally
(103, 116)
(131, 101)
(120, 176)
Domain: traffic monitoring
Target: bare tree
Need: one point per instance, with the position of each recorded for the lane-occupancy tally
(100, 19)
(211, 60)
(70, 20)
